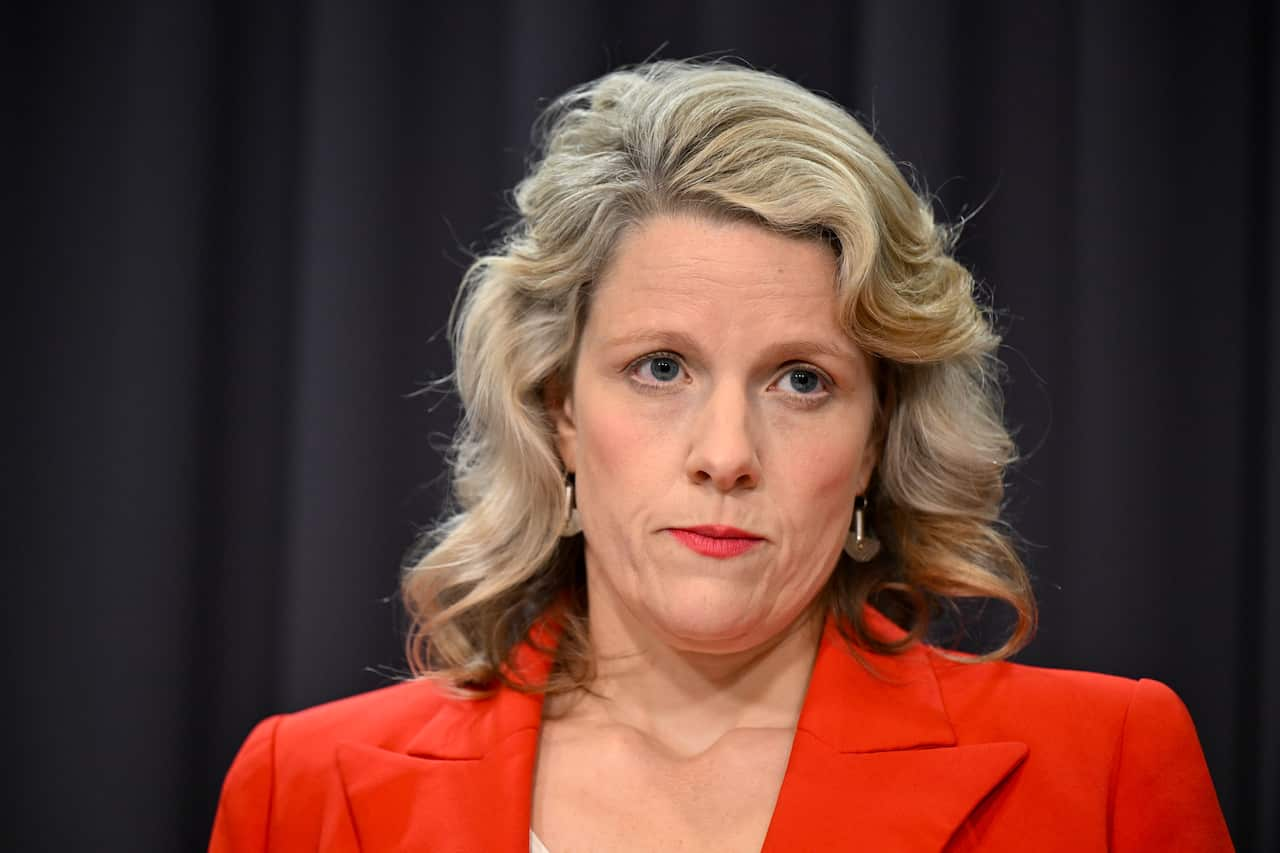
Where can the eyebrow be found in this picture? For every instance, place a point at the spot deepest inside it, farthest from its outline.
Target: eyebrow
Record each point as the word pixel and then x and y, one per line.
pixel 685 341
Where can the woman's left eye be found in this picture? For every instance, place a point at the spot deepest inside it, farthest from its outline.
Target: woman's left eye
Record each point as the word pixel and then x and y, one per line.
pixel 802 381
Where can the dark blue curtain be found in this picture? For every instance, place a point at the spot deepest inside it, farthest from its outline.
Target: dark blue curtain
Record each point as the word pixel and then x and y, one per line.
pixel 238 227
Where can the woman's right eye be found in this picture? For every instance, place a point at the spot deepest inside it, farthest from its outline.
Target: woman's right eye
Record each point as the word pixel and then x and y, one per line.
pixel 659 368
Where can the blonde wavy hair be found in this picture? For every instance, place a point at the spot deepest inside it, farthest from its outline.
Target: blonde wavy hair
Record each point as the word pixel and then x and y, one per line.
pixel 732 142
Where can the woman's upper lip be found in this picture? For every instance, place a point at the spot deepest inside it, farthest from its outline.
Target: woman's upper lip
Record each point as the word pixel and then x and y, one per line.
pixel 721 531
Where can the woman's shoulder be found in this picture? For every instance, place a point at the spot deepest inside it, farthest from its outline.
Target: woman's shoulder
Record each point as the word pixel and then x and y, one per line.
pixel 387 717
pixel 1019 700
pixel 966 672
pixel 1129 741
pixel 1030 681
pixel 380 717
pixel 288 768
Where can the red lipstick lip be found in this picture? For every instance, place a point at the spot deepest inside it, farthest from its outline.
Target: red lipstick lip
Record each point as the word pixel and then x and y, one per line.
pixel 719 547
pixel 721 531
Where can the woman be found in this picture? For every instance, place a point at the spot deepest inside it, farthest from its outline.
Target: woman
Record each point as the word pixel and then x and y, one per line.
pixel 732 434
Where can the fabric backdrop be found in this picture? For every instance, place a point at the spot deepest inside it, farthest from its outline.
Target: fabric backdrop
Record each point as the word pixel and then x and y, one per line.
pixel 238 228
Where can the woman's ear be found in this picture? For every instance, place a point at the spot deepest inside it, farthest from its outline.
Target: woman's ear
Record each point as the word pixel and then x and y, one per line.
pixel 557 398
pixel 867 465
pixel 886 404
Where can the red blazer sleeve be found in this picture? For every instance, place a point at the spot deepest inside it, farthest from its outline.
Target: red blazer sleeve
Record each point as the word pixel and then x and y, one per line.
pixel 244 809
pixel 1162 797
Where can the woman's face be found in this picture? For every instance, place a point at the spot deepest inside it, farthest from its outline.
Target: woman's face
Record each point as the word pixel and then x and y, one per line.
pixel 713 386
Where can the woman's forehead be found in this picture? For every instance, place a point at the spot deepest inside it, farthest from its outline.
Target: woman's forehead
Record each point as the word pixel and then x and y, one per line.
pixel 699 268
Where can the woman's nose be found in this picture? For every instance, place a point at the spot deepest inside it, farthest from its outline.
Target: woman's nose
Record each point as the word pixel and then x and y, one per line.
pixel 723 447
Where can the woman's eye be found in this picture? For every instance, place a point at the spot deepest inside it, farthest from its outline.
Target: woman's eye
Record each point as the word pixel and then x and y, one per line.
pixel 802 381
pixel 659 368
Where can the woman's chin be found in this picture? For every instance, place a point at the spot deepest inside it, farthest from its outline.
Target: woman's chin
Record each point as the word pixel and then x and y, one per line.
pixel 715 627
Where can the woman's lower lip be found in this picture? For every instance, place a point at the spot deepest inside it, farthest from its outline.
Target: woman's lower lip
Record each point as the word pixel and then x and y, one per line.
pixel 712 546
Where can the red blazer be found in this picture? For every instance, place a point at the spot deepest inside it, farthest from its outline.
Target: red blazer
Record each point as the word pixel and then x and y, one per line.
pixel 925 755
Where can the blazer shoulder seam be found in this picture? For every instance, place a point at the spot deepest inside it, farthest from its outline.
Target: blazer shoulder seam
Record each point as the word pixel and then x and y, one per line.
pixel 1118 758
pixel 273 758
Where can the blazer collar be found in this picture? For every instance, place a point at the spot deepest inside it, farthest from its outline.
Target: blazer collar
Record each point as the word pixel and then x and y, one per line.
pixel 465 780
pixel 875 761
pixel 860 701
pixel 470 729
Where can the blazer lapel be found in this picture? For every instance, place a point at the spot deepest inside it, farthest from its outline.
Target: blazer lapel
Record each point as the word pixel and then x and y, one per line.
pixel 875 763
pixel 465 781
pixel 404 802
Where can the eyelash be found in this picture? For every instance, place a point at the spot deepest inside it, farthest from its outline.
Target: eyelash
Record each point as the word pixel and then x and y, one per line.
pixel 827 383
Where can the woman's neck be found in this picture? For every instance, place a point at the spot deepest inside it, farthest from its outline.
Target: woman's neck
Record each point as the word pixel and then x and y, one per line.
pixel 685 702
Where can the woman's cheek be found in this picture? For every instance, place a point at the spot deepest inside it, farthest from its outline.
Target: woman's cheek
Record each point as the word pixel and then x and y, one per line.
pixel 621 442
pixel 817 474
pixel 820 455
pixel 630 436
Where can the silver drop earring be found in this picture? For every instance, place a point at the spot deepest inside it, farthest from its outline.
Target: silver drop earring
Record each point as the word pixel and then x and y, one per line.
pixel 572 524
pixel 861 544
